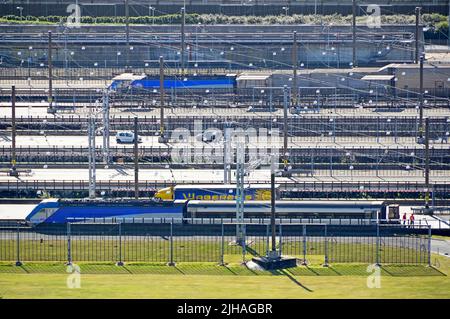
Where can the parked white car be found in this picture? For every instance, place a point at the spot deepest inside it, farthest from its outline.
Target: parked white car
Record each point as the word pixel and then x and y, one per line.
pixel 126 137
pixel 209 136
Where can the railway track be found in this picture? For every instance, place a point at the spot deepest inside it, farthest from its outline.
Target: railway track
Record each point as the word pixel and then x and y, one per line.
pixel 375 126
pixel 290 186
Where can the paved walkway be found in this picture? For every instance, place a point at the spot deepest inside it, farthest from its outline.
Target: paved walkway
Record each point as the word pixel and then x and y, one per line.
pixel 441 247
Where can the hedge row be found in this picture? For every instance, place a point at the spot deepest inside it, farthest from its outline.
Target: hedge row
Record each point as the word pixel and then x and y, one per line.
pixel 165 19
pixel 437 23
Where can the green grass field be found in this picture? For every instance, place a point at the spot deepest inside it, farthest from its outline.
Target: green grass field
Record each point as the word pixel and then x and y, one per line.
pixel 198 275
pixel 209 280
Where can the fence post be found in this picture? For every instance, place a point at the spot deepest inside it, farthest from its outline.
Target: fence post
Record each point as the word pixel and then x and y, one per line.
pixel 244 248
pixel 222 247
pixel 69 247
pixel 18 262
pixel 281 240
pixel 429 245
pixel 120 262
pixel 304 246
pixel 171 263
pixel 378 246
pixel 326 247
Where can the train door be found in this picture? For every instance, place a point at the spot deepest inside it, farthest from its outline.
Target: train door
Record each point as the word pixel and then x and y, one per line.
pixel 393 212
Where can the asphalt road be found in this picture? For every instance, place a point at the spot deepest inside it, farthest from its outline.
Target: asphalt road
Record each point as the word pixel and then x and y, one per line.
pixel 441 247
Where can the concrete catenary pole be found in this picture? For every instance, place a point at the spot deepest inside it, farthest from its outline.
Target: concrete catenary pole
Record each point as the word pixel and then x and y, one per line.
pixel 183 40
pixel 106 128
pixel 91 157
pixel 50 73
pixel 227 154
pixel 127 33
pixel 136 159
pixel 295 67
pixel 240 195
pixel 417 36
pixel 162 137
pixel 427 164
pixel 272 207
pixel 421 128
pixel 13 171
pixel 127 22
pixel 354 58
pixel 285 122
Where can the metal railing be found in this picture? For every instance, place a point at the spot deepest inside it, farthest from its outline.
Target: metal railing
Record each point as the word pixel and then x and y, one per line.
pixel 376 129
pixel 419 223
pixel 149 185
pixel 172 243
pixel 301 157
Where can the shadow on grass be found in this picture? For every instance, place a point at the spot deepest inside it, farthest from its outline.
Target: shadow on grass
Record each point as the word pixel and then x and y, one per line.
pixel 249 269
pixel 24 269
pixel 156 268
pixel 312 270
pixel 276 272
pixel 31 268
pixel 230 270
pixel 292 278
pixel 178 269
pixel 349 270
pixel 217 270
pixel 335 271
pixel 109 268
pixel 126 269
pixel 12 269
pixel 411 271
pixel 204 269
pixel 252 251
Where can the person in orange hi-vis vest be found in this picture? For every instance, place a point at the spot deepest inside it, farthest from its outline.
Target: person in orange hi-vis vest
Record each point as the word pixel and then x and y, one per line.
pixel 404 219
pixel 411 219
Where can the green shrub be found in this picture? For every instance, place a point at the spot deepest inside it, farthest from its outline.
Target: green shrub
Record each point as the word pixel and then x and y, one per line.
pixel 437 22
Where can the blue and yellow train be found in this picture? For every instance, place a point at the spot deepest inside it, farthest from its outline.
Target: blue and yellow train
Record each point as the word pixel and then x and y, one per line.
pixel 206 202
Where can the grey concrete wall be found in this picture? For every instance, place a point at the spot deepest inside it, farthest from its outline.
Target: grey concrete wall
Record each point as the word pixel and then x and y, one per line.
pixel 225 46
pixel 436 79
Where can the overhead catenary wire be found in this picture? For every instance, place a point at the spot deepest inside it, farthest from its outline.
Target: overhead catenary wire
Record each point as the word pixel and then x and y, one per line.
pixel 237 45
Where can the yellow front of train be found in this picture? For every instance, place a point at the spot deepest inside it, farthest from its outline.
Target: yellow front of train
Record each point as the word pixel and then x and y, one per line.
pixel 263 194
pixel 164 194
pixel 168 194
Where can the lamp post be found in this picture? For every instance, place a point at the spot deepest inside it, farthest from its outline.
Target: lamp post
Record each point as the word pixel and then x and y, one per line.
pixel 286 9
pixel 30 48
pixel 118 54
pixel 20 9
pixel 152 9
pixel 196 40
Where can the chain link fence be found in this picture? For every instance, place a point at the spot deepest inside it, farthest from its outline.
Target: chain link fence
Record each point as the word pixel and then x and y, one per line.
pixel 180 242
